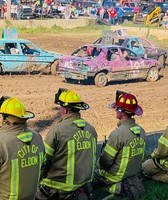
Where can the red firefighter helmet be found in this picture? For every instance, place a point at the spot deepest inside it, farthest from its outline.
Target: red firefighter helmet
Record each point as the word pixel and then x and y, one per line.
pixel 126 102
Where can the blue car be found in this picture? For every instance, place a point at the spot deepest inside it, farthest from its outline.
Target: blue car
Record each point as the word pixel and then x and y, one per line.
pixel 138 45
pixel 20 55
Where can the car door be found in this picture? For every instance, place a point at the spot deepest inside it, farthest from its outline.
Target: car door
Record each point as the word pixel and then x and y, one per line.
pixel 134 65
pixel 33 58
pixel 116 60
pixel 10 56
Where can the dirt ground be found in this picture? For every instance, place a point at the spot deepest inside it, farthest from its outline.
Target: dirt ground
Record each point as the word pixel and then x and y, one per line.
pixel 37 92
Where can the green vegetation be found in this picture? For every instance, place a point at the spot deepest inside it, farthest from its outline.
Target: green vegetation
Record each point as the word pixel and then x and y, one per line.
pixel 154 191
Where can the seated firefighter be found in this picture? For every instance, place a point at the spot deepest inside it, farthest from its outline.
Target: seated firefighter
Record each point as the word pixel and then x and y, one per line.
pixel 156 167
pixel 123 153
pixel 68 144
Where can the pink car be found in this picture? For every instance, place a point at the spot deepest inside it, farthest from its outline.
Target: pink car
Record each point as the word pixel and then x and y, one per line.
pixel 105 63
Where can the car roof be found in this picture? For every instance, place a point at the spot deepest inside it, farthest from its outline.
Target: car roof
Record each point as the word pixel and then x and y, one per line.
pixel 100 45
pixel 7 40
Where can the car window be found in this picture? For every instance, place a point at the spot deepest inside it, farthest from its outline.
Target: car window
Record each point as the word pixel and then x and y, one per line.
pixel 96 51
pixel 87 4
pixel 80 52
pixel 2 49
pixel 127 54
pixel 120 41
pixel 127 4
pixel 165 4
pixel 107 4
pixel 9 48
pixel 29 48
pixel 134 4
pixel 113 55
pixel 144 42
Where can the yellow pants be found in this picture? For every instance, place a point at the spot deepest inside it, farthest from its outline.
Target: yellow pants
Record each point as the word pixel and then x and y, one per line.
pixel 154 172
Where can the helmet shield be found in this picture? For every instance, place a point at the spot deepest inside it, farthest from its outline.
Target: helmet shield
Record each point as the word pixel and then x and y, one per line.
pixel 126 102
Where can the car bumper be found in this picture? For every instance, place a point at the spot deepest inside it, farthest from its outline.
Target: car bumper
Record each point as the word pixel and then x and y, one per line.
pixel 72 74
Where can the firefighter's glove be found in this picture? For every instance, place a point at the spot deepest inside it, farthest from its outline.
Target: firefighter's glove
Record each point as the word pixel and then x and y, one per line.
pixel 153 154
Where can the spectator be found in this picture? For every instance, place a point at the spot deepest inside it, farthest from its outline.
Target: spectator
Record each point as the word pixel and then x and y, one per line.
pixel 112 15
pixel 120 15
pixel 13 11
pixel 123 153
pixel 93 11
pixel 67 12
pixel 68 144
pixel 101 12
pixel 73 10
pixel 4 9
pixel 19 11
pixel 165 20
pixel 78 9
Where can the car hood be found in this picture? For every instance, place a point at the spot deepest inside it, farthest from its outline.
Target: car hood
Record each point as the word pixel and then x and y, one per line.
pixel 76 59
pixel 76 63
pixel 54 54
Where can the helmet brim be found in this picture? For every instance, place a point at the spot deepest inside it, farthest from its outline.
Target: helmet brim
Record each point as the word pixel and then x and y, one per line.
pixel 138 111
pixel 28 115
pixel 80 106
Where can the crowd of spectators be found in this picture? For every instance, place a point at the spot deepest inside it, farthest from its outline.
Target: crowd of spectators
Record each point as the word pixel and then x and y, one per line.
pixel 16 10
pixel 69 10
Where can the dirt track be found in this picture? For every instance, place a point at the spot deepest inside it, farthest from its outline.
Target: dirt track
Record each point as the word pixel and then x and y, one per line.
pixel 37 92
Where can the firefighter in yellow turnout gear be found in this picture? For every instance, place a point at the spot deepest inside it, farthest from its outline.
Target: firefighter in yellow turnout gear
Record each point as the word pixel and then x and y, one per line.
pixel 123 153
pixel 70 149
pixel 22 153
pixel 156 168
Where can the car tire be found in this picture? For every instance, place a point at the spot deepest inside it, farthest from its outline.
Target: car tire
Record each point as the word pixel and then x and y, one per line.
pixel 100 79
pixel 153 74
pixel 54 67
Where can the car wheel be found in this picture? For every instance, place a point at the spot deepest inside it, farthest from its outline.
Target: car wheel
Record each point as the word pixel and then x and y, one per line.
pixel 101 80
pixel 153 74
pixel 54 67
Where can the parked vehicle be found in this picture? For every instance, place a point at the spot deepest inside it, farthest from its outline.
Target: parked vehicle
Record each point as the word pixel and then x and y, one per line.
pixel 149 14
pixel 138 45
pixel 131 4
pixel 20 55
pixel 54 12
pixel 128 11
pixel 104 63
pixel 162 5
pixel 27 12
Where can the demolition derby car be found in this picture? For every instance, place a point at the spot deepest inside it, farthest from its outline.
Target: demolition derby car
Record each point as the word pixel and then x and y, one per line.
pixel 20 55
pixel 104 63
pixel 138 45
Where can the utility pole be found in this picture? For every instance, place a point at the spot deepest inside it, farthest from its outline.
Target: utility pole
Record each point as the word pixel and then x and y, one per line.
pixel 8 9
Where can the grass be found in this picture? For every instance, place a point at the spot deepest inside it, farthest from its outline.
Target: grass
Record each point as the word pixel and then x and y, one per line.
pixel 154 191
